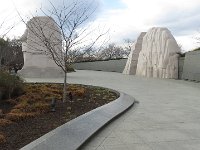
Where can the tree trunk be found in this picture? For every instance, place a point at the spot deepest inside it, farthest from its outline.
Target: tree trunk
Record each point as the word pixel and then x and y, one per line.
pixel 65 88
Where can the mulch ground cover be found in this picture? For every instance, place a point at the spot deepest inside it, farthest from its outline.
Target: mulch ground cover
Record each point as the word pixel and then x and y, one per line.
pixel 28 117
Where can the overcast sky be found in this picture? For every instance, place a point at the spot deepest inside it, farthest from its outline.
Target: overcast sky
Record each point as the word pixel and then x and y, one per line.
pixel 124 18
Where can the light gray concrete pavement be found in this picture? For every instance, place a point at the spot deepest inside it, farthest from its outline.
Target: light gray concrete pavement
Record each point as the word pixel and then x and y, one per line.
pixel 166 118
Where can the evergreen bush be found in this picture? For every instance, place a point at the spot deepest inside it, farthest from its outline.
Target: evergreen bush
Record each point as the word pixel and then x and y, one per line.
pixel 10 85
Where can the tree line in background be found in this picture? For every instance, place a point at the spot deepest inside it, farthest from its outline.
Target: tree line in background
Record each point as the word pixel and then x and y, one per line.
pixel 11 59
pixel 11 56
pixel 111 51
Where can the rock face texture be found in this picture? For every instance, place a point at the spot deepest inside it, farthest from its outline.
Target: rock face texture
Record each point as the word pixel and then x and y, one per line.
pixel 37 61
pixel 131 64
pixel 158 57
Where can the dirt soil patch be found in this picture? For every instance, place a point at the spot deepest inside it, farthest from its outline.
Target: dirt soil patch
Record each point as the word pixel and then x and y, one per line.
pixel 29 116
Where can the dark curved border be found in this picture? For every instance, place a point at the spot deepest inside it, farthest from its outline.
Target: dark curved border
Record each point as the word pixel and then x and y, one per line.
pixel 76 132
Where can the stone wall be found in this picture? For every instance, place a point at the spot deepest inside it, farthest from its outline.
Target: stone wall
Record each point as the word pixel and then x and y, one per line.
pixel 191 67
pixel 180 67
pixel 109 66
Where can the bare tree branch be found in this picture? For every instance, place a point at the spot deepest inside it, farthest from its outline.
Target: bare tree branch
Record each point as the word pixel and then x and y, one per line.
pixel 71 25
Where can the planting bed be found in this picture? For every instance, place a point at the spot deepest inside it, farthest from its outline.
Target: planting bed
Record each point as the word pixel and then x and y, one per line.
pixel 29 116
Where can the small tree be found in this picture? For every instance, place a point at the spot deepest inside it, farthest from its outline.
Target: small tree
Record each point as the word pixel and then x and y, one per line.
pixel 71 22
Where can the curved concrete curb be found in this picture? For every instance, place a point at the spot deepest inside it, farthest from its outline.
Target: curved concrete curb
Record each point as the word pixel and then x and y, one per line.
pixel 76 132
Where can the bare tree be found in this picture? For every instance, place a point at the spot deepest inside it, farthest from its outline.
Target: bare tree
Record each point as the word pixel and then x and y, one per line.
pixel 74 55
pixel 16 60
pixel 112 51
pixel 9 51
pixel 71 20
pixel 127 46
pixel 5 29
pixel 11 55
pixel 80 56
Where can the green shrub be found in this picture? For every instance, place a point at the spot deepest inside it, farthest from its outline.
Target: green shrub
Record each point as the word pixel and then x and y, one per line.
pixel 10 85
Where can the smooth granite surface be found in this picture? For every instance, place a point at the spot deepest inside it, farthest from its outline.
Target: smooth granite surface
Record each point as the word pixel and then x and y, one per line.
pixel 191 67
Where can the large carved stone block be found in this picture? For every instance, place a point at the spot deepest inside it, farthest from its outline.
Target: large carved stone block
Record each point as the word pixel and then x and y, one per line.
pixel 38 61
pixel 131 64
pixel 158 57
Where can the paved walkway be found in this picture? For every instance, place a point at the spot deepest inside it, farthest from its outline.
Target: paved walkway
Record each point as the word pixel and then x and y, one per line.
pixel 166 118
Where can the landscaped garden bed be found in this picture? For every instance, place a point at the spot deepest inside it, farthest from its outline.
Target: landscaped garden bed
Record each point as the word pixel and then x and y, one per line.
pixel 29 116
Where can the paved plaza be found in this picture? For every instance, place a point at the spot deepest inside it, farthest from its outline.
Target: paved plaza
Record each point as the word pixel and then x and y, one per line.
pixel 166 118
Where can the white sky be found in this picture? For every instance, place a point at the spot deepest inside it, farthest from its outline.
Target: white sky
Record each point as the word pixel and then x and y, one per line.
pixel 124 18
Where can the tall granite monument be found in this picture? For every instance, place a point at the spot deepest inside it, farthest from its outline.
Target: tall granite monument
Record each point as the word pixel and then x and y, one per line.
pixel 155 54
pixel 37 60
pixel 131 64
pixel 159 55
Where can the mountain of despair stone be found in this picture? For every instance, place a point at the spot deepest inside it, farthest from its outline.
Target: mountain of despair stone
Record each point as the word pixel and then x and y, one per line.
pixel 159 55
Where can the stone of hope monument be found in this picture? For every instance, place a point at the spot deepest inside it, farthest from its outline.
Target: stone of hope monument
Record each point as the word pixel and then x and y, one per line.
pixel 154 54
pixel 37 59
